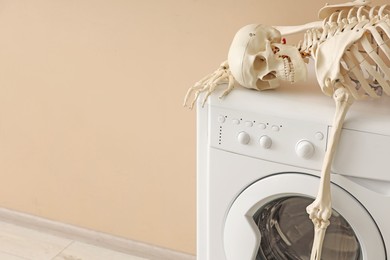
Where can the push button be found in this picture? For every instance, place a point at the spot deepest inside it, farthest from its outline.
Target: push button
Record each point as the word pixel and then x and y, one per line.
pixel 319 136
pixel 248 124
pixel 236 121
pixel 221 119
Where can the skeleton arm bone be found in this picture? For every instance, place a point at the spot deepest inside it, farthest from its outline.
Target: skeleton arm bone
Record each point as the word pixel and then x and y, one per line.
pixel 329 9
pixel 328 71
pixel 321 209
pixel 342 46
pixel 289 30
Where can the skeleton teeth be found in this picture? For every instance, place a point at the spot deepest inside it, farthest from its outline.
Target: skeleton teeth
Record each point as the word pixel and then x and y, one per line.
pixel 288 69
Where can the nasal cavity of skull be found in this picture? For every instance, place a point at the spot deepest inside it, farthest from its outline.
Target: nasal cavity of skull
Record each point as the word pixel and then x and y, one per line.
pixel 269 76
pixel 263 84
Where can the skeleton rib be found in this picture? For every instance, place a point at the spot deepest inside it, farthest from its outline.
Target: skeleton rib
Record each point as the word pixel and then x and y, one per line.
pixel 372 13
pixel 340 17
pixel 378 61
pixel 378 38
pixel 354 67
pixel 362 13
pixel 383 11
pixel 349 82
pixel 350 16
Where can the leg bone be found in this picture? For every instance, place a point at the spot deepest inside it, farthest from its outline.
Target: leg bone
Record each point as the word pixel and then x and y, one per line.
pixel 321 208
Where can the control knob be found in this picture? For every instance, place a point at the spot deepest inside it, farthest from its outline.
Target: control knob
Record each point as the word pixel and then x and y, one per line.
pixel 265 142
pixel 243 138
pixel 304 149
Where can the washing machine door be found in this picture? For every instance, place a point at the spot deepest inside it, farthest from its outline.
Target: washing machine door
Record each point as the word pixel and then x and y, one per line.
pixel 268 220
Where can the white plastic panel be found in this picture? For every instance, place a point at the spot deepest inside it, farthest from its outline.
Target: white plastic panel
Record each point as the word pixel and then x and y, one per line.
pixel 363 155
pixel 266 137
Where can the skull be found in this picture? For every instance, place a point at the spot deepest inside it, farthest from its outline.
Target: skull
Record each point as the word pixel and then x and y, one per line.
pixel 257 58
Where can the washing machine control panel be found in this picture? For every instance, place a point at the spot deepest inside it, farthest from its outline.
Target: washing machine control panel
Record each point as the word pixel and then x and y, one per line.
pixel 268 137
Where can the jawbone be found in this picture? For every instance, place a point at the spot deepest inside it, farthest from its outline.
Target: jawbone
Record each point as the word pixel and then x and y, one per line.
pixel 294 67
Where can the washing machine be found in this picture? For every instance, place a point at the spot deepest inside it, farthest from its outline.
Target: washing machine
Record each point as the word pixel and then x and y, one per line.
pixel 259 156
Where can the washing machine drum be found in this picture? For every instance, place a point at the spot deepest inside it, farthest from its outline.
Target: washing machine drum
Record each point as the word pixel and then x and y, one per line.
pixel 268 221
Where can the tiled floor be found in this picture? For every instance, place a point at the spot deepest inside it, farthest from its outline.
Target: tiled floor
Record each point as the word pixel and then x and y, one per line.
pixel 19 243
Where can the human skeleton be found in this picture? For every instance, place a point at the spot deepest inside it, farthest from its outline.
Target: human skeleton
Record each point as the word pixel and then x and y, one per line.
pixel 351 51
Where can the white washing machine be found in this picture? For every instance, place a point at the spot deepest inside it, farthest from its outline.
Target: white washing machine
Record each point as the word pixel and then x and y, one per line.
pixel 259 159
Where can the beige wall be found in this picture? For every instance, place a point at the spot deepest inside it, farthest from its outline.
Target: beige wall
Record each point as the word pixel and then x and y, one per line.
pixel 92 131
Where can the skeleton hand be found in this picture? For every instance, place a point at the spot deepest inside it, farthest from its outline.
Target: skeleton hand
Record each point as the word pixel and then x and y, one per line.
pixel 210 82
pixel 319 212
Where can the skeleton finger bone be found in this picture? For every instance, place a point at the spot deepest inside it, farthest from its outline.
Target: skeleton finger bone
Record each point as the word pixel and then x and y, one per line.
pixel 230 86
pixel 319 236
pixel 208 86
pixel 198 85
pixel 320 210
pixel 211 86
pixel 209 83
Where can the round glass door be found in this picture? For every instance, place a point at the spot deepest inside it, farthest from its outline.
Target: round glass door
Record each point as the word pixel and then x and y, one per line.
pixel 287 233
pixel 268 221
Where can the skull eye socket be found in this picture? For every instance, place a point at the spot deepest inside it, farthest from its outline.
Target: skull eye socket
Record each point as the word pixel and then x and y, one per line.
pixel 259 63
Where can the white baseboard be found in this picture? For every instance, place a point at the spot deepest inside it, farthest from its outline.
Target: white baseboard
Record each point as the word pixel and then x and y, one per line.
pixel 93 237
